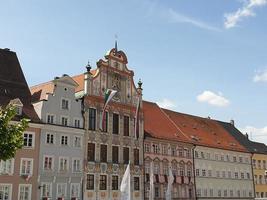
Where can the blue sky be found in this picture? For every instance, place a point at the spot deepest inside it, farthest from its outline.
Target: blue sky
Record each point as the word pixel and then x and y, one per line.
pixel 206 58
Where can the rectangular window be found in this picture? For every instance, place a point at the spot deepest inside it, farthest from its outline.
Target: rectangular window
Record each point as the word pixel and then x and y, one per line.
pixel 125 155
pixel 61 190
pixel 92 119
pixel 115 129
pixel 25 191
pixel 48 163
pixel 49 138
pixel 115 154
pixel 234 158
pixel 236 175
pixel 46 189
pixel 63 164
pixel 126 122
pixel 64 121
pixel 90 182
pixel 77 123
pixel 136 183
pixel 91 152
pixel 147 148
pixel 197 172
pixel 6 167
pixel 65 104
pixel 115 182
pixel 5 191
pixel 157 192
pixel 77 141
pixel 75 190
pixel 76 165
pixel 103 153
pixel 64 140
pixel 203 172
pixel 50 119
pixel 26 166
pixel 136 156
pixel 210 173
pixel 105 122
pixel 28 139
pixel 103 182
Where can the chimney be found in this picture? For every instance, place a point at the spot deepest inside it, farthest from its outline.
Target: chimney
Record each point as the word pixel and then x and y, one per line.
pixel 232 122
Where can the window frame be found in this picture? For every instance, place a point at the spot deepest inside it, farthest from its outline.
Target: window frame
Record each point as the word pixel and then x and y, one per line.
pixel 31 167
pixel 61 103
pixel 33 140
pixel 30 190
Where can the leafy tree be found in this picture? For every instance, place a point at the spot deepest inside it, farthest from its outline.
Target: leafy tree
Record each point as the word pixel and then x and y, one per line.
pixel 11 133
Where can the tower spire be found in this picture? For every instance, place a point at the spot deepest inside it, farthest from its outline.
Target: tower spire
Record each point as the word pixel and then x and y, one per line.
pixel 116 43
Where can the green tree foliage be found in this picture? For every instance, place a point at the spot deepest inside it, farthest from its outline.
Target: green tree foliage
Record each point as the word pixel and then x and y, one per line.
pixel 11 133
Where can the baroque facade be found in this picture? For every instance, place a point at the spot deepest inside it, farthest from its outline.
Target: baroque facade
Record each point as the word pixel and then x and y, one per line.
pixel 108 151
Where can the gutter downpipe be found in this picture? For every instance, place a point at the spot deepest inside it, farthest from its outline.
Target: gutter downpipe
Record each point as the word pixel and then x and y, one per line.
pixel 251 164
pixel 194 171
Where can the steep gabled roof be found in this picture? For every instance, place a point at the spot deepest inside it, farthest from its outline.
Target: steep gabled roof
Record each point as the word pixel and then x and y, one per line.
pixel 253 147
pixel 13 84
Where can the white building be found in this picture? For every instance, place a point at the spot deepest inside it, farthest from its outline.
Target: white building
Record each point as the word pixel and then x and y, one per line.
pixel 61 140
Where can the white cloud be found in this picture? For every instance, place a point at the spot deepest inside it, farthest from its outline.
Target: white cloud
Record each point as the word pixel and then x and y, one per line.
pixel 175 17
pixel 166 103
pixel 213 99
pixel 231 19
pixel 261 76
pixel 256 134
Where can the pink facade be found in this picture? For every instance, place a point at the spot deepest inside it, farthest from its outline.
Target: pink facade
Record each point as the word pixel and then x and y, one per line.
pixel 164 154
pixel 19 178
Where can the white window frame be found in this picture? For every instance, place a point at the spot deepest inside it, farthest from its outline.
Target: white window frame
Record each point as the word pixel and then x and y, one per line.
pixel 72 165
pixel 10 189
pixel 65 192
pixel 74 137
pixel 79 190
pixel 80 122
pixel 3 165
pixel 54 138
pixel 66 99
pixel 30 190
pixel 31 169
pixel 67 168
pixel 49 189
pixel 33 140
pixel 68 140
pixel 53 161
pixel 54 118
pixel 66 117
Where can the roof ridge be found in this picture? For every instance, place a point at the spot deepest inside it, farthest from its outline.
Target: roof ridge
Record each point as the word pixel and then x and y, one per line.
pixel 40 84
pixel 173 123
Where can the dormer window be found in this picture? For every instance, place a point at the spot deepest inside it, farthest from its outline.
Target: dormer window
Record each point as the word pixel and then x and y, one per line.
pixel 18 109
pixel 65 104
pixel 18 105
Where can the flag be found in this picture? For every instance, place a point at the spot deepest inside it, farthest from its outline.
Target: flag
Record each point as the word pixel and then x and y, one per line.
pixel 125 187
pixel 169 189
pixel 136 123
pixel 109 94
pixel 151 182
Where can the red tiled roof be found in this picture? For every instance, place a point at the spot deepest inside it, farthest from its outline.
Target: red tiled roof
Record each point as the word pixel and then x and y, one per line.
pixel 157 124
pixel 204 131
pixel 40 91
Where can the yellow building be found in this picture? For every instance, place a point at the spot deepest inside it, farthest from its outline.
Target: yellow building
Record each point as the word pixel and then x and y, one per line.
pixel 260 172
